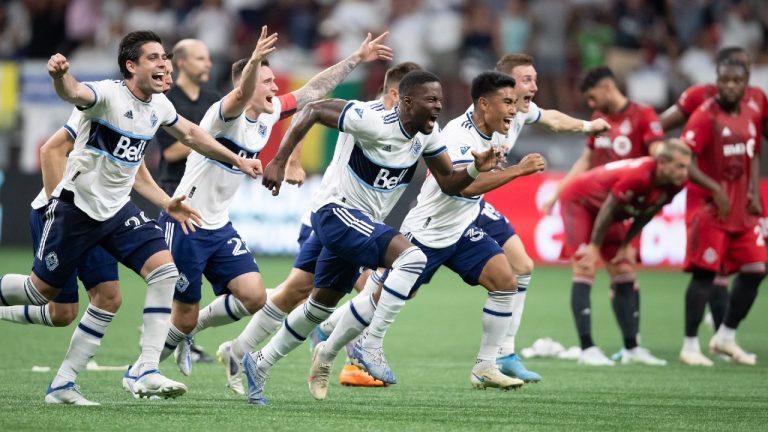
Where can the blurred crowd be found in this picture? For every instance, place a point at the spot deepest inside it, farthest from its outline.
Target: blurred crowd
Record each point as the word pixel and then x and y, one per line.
pixel 656 48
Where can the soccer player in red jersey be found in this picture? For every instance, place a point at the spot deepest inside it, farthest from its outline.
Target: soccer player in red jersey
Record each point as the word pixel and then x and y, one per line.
pixel 676 116
pixel 724 134
pixel 597 206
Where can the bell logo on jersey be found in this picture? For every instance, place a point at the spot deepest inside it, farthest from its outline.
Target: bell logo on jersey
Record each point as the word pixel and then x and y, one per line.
pixel 128 151
pixel 740 149
pixel 384 181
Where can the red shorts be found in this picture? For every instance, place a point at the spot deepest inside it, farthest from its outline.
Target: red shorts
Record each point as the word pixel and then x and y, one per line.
pixel 710 247
pixel 577 227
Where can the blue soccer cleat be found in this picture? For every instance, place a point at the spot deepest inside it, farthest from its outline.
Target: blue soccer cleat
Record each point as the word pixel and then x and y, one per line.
pixel 511 365
pixel 373 361
pixel 256 379
pixel 68 394
pixel 315 337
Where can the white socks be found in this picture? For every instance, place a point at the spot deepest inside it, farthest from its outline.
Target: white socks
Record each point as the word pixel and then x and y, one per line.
pixel 371 285
pixel 497 314
pixel 356 317
pixel 294 331
pixel 27 314
pixel 157 312
pixel 262 324
pixel 222 310
pixel 85 342
pixel 405 271
pixel 175 336
pixel 691 343
pixel 18 289
pixel 518 304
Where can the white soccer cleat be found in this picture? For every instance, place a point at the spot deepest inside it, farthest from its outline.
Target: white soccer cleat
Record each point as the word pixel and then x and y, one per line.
pixel 129 380
pixel 234 368
pixel 319 374
pixel 730 348
pixel 594 356
pixel 694 358
pixel 183 356
pixel 485 377
pixel 640 355
pixel 68 394
pixel 153 383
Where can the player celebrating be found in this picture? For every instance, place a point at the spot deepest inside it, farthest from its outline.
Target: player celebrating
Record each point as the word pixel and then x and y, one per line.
pixel 596 204
pixel 91 205
pixel 723 132
pixel 634 132
pixel 443 227
pixel 379 165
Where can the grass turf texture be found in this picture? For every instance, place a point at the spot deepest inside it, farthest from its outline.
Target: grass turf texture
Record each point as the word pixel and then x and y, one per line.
pixel 431 348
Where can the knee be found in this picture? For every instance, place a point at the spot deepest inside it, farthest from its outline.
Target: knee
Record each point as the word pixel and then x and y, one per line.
pixel 184 316
pixel 62 314
pixel 411 259
pixel 106 296
pixel 522 266
pixel 254 301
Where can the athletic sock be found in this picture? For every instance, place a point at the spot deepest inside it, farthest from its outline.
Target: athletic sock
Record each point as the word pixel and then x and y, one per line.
pixel 222 310
pixel 84 343
pixel 356 316
pixel 262 324
pixel 497 314
pixel 518 304
pixel 625 307
pixel 157 310
pixel 18 289
pixel 27 314
pixel 175 336
pixel 582 310
pixel 718 300
pixel 371 285
pixel 300 322
pixel 743 296
pixel 696 297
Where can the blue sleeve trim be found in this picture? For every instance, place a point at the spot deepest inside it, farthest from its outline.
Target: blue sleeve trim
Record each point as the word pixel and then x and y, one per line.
pixel 343 114
pixel 70 131
pixel 173 122
pixel 95 98
pixel 435 153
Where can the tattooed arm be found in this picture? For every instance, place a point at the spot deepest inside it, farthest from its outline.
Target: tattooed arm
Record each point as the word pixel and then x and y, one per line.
pixel 327 80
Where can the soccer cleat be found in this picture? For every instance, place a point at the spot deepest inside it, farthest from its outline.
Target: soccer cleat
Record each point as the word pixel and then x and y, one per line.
pixel 512 366
pixel 730 348
pixel 694 358
pixel 256 379
pixel 593 356
pixel 372 360
pixel 183 356
pixel 315 337
pixel 354 376
pixel 153 383
pixel 233 366
pixel 129 381
pixel 319 373
pixel 640 355
pixel 482 379
pixel 68 394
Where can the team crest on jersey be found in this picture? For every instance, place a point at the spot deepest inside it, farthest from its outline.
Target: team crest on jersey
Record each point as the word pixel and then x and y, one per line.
pixel 464 149
pixel 622 145
pixel 416 147
pixel 710 256
pixel 153 119
pixel 262 129
pixel 359 112
pixel 626 127
pixel 182 283
pixel 51 261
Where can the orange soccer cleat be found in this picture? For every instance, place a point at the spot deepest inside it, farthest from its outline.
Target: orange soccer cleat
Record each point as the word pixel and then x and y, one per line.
pixel 354 376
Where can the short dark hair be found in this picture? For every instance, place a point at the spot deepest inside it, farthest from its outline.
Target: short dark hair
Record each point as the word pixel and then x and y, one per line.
pixel 130 48
pixel 730 53
pixel 594 76
pixel 413 79
pixel 488 82
pixel 729 61
pixel 395 74
pixel 511 61
pixel 239 66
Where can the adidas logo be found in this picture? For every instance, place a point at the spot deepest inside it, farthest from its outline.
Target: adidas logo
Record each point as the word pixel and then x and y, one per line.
pixel 387 148
pixel 128 114
pixel 726 132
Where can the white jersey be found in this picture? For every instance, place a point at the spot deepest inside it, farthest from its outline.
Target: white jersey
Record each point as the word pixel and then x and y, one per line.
pixel 110 146
pixel 378 163
pixel 521 119
pixel 439 219
pixel 74 123
pixel 344 144
pixel 210 185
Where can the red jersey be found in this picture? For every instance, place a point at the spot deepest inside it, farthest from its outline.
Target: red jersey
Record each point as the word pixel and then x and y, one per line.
pixel 724 144
pixel 694 96
pixel 633 129
pixel 630 182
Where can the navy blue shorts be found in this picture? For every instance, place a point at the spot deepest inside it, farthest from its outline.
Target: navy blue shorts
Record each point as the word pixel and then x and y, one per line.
pixel 304 233
pixel 467 257
pixel 350 240
pixel 69 235
pixel 494 223
pixel 308 253
pixel 220 254
pixel 98 267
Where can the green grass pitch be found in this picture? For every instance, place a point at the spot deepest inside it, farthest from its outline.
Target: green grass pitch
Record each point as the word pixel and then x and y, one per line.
pixel 431 348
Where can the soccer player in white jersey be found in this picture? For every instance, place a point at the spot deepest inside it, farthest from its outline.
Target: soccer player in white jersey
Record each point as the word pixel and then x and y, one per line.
pixel 520 67
pixel 372 175
pixel 443 227
pixel 242 121
pixel 298 285
pixel 91 205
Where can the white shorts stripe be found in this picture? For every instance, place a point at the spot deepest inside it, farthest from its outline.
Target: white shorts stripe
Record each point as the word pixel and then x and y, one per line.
pixel 50 215
pixel 353 223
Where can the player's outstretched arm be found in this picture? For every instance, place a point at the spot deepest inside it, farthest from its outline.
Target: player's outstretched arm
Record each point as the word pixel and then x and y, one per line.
pixel 488 181
pixel 672 118
pixel 325 112
pixel 327 80
pixel 199 140
pixel 581 165
pixel 66 86
pixel 53 159
pixel 236 101
pixel 146 186
pixel 557 121
pixel 453 180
